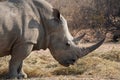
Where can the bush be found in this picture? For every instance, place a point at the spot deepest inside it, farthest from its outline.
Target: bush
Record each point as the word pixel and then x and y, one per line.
pixel 98 15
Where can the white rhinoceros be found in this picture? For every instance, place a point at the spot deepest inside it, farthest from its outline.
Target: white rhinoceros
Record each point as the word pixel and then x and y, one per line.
pixel 27 25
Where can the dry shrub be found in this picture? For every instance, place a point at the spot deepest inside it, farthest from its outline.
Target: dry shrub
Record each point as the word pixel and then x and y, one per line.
pixel 4 66
pixel 89 14
pixel 39 64
pixel 112 55
pixel 91 66
pixel 99 64
pixel 101 67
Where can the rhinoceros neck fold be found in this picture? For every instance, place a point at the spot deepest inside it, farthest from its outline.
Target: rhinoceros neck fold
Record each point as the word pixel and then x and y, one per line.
pixel 45 11
pixel 41 42
pixel 44 33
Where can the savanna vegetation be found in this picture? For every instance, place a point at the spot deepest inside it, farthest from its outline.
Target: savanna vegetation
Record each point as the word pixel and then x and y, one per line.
pixel 93 17
pixel 102 64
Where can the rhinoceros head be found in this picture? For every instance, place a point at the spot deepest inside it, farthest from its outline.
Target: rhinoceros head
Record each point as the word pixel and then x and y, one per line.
pixel 61 43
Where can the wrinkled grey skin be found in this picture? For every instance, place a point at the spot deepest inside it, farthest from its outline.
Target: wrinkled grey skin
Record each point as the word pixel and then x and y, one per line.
pixel 27 25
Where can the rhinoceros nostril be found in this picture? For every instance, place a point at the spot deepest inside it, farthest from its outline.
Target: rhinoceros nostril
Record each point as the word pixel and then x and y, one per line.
pixel 73 60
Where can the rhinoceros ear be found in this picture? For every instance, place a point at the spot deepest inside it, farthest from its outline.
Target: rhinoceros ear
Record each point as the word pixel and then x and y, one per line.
pixel 56 14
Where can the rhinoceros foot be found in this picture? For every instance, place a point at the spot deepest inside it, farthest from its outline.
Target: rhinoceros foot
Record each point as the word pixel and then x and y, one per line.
pixel 22 75
pixel 17 76
pixel 11 76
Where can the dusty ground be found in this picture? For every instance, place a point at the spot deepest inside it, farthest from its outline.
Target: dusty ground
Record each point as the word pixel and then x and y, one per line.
pixel 102 64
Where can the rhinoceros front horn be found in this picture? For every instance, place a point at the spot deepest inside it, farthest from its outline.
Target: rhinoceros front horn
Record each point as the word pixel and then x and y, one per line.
pixel 85 50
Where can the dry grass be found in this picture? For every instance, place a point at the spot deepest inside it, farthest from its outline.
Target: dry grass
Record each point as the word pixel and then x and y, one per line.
pixel 100 64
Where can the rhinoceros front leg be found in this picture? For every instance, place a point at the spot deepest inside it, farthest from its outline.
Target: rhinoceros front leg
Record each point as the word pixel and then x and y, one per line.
pixel 19 53
pixel 21 72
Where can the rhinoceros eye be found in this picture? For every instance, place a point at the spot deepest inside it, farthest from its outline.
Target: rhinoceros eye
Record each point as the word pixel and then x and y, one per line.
pixel 68 44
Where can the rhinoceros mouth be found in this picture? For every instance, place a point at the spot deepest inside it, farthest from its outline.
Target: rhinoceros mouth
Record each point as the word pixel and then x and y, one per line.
pixel 67 63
